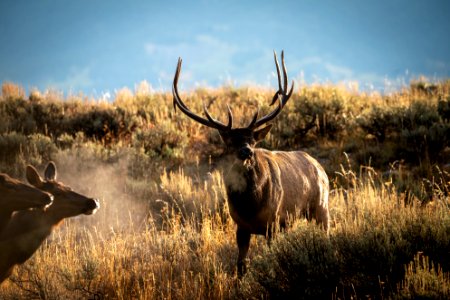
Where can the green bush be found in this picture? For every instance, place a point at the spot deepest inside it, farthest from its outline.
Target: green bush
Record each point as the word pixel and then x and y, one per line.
pixel 443 109
pixel 310 116
pixel 424 280
pixel 163 141
pixel 18 150
pixel 380 122
pixel 301 265
pixel 411 126
pixel 367 262
pixel 16 116
pixel 415 134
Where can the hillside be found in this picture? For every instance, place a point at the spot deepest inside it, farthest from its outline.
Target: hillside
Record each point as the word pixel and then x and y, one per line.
pixel 163 230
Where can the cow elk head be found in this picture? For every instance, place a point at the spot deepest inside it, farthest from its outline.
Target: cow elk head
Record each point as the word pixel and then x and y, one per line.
pixel 67 203
pixel 20 196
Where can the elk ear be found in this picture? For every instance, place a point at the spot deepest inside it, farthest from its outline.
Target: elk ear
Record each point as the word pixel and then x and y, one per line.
pixel 260 134
pixel 50 171
pixel 33 176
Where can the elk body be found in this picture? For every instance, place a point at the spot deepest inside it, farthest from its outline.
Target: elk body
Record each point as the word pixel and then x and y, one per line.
pixel 15 195
pixel 26 230
pixel 264 187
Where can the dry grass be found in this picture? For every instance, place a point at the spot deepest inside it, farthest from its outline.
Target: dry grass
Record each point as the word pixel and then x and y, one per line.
pixel 191 253
pixel 186 255
pixel 163 230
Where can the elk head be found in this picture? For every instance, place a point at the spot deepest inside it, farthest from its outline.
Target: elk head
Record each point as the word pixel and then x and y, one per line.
pixel 19 196
pixel 67 203
pixel 240 141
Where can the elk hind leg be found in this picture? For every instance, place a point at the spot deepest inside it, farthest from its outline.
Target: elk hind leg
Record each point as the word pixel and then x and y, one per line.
pixel 321 215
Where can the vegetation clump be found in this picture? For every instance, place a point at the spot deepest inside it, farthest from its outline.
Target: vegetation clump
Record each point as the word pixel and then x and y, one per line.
pixel 164 232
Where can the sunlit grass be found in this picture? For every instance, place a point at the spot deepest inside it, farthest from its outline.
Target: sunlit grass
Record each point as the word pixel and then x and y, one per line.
pixel 191 254
pixel 163 230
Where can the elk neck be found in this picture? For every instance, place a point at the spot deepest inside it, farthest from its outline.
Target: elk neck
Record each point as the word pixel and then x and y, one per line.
pixel 5 216
pixel 41 223
pixel 246 176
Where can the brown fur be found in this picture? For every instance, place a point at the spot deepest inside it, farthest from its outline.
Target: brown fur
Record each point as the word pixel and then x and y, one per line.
pixel 16 195
pixel 28 229
pixel 276 186
pixel 268 188
pixel 264 187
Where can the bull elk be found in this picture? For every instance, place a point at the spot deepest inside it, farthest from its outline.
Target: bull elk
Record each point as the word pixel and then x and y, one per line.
pixel 15 195
pixel 26 230
pixel 264 187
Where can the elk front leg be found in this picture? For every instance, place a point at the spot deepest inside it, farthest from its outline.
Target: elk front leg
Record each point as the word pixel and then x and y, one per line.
pixel 243 242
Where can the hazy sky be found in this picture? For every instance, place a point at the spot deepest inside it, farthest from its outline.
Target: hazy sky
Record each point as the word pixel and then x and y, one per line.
pixel 97 46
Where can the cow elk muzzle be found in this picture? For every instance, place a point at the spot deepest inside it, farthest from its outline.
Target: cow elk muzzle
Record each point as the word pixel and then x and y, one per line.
pixel 92 205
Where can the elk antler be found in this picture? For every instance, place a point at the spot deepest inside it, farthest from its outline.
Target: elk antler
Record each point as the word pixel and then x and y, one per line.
pixel 281 95
pixel 209 121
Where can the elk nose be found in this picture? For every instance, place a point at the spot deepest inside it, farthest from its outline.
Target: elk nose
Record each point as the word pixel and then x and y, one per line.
pixel 47 199
pixel 94 204
pixel 245 153
pixel 91 207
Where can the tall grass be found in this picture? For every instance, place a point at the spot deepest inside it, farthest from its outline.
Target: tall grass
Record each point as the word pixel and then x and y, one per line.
pixel 163 230
pixel 372 249
pixel 373 242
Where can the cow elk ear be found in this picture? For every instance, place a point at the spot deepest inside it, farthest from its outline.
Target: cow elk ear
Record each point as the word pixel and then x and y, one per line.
pixel 260 134
pixel 33 176
pixel 50 171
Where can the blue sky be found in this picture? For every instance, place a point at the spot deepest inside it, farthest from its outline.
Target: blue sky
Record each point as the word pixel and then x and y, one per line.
pixel 101 46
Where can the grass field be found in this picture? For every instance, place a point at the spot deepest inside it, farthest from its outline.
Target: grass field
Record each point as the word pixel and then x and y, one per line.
pixel 163 230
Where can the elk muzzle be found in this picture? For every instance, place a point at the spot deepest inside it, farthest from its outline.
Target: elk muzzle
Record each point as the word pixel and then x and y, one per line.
pixel 91 206
pixel 245 153
pixel 47 200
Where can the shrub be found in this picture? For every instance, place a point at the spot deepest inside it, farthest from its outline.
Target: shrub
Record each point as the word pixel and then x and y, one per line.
pixel 16 116
pixel 18 150
pixel 12 91
pixel 317 113
pixel 301 265
pixel 424 134
pixel 380 122
pixel 162 141
pixel 190 199
pixel 443 109
pixel 364 256
pixel 424 280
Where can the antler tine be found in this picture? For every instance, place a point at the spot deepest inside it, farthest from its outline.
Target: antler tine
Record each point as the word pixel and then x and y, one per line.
pixel 269 116
pixel 255 117
pixel 285 76
pixel 282 95
pixel 175 84
pixel 210 122
pixel 277 93
pixel 281 89
pixel 177 99
pixel 230 118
